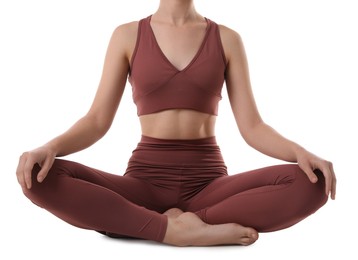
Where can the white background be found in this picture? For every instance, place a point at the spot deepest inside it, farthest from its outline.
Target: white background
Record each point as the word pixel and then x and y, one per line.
pixel 303 60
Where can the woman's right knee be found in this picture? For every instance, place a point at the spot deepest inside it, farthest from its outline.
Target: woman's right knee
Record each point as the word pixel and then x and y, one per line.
pixel 38 190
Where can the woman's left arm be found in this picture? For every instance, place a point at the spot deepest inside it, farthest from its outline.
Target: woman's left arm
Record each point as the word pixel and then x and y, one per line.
pixel 253 129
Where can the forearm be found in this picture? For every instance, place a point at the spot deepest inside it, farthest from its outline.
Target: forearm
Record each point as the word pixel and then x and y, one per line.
pixel 268 141
pixel 81 135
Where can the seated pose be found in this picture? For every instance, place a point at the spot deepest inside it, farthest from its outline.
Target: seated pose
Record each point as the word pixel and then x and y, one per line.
pixel 176 189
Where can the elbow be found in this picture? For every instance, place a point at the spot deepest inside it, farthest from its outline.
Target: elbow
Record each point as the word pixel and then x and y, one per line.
pixel 101 131
pixel 247 136
pixel 250 132
pixel 102 128
pixel 99 126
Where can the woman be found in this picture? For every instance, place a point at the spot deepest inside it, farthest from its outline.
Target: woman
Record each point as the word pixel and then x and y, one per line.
pixel 176 189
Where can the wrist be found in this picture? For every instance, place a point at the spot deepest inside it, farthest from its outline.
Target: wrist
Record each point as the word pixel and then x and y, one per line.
pixel 52 148
pixel 297 151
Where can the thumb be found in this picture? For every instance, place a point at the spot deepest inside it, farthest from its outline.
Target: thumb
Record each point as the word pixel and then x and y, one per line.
pixel 309 172
pixel 45 167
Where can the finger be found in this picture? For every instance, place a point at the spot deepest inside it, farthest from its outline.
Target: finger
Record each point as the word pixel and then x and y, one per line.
pixel 28 172
pixel 44 169
pixel 328 179
pixel 20 172
pixel 334 183
pixel 333 190
pixel 310 174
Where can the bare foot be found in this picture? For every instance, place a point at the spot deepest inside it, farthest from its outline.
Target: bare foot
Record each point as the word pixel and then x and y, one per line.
pixel 187 229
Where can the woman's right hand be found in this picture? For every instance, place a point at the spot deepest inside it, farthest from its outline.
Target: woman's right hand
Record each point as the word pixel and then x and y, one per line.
pixel 44 156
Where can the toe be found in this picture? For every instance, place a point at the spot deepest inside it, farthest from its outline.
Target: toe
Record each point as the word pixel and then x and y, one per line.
pixel 250 236
pixel 173 212
pixel 252 233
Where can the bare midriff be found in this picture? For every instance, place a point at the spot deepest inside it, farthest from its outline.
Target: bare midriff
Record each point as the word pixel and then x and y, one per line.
pixel 178 124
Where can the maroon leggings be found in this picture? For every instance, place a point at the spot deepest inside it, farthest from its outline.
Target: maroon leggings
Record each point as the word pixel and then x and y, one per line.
pixel 186 174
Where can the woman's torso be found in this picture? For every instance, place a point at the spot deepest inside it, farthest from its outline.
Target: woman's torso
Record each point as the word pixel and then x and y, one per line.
pixel 177 123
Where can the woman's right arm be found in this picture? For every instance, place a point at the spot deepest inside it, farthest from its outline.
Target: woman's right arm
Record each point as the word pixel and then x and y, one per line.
pixel 92 126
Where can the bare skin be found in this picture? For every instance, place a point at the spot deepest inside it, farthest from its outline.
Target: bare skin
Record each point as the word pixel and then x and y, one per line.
pixel 187 229
pixel 173 18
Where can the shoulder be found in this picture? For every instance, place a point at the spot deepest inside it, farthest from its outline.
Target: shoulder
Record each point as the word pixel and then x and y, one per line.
pixel 126 30
pixel 231 40
pixel 228 33
pixel 124 37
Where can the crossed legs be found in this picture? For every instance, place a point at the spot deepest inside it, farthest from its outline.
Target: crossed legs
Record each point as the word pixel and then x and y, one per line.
pixel 230 210
pixel 267 199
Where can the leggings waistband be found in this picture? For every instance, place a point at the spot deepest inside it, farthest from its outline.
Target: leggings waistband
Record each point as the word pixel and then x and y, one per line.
pixel 201 141
pixel 177 153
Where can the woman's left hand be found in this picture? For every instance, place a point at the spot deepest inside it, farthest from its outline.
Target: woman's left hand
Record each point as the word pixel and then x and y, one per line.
pixel 309 162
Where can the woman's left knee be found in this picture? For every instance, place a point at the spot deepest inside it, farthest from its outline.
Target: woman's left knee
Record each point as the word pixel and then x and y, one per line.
pixel 314 192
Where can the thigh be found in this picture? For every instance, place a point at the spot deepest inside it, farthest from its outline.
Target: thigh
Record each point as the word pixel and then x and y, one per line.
pixel 266 199
pixel 133 189
pixel 92 199
pixel 259 180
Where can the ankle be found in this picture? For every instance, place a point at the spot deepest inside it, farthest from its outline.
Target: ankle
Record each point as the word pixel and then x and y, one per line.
pixel 174 234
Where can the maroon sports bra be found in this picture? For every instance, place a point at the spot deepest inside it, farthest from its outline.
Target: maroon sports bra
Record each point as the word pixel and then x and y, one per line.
pixel 157 85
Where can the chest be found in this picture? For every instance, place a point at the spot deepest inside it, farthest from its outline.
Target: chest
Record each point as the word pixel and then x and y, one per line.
pixel 179 45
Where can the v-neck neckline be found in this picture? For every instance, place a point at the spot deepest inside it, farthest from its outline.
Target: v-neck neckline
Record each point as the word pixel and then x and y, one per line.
pixel 194 57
